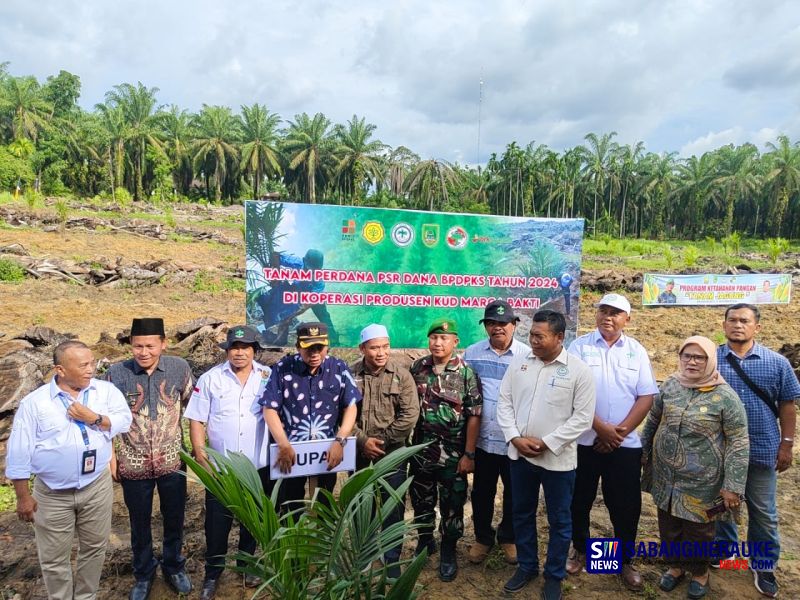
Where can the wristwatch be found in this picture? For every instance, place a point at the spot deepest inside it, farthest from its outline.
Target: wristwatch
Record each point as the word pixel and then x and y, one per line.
pixel 341 440
pixel 788 440
pixel 98 421
pixel 469 455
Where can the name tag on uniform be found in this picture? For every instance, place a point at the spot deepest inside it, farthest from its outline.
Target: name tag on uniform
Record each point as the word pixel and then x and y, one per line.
pixel 89 462
pixel 312 459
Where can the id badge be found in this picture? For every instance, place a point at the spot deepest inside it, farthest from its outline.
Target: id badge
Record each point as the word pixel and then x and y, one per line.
pixel 88 462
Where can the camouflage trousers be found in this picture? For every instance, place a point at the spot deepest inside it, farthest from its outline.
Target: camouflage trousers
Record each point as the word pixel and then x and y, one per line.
pixel 438 481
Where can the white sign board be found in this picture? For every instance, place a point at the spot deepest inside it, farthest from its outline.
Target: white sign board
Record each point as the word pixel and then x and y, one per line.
pixel 312 459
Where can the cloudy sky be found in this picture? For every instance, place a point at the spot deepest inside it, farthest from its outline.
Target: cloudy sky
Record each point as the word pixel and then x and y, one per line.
pixel 679 75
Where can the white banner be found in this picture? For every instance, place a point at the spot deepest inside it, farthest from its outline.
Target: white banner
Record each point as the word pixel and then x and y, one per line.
pixel 312 459
pixel 716 289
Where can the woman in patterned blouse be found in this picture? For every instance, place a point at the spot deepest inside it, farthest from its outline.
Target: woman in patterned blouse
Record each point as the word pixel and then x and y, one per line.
pixel 696 440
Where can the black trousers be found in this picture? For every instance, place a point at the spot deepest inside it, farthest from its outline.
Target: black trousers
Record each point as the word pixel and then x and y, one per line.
pixel 620 472
pixel 394 479
pixel 218 526
pixel 488 467
pixel 138 495
pixel 293 490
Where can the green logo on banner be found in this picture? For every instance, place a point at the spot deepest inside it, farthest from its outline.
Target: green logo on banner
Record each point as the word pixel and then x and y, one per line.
pixel 430 234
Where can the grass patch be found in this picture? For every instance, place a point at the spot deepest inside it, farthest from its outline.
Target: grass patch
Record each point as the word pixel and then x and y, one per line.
pixel 207 282
pixel 8 498
pixel 11 270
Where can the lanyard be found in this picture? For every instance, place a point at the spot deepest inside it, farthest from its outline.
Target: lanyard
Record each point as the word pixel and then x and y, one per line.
pixel 80 424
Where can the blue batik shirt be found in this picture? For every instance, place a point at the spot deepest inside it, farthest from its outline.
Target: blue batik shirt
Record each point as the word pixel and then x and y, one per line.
pixel 309 404
pixel 772 373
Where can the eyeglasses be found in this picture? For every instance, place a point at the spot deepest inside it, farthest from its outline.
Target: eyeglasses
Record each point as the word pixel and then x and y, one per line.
pixel 698 358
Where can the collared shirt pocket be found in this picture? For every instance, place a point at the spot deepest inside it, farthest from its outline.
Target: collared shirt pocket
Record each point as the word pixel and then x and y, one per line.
pixel 627 372
pixel 559 395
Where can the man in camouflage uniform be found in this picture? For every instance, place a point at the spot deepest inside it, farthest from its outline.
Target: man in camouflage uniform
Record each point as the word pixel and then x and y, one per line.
pixel 450 408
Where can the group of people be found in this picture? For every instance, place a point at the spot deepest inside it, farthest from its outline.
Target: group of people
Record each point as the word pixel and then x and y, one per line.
pixel 543 416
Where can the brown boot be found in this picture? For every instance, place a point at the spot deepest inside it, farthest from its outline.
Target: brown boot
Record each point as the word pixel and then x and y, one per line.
pixel 575 561
pixel 631 578
pixel 478 553
pixel 510 552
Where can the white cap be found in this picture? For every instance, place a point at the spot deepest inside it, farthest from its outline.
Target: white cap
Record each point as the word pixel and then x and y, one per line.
pixel 617 301
pixel 370 332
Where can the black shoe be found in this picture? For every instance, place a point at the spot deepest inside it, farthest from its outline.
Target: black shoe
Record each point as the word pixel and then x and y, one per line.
pixel 252 581
pixel 430 546
pixel 518 581
pixel 551 590
pixel 698 590
pixel 393 571
pixel 179 582
pixel 209 589
pixel 448 565
pixel 141 589
pixel 669 582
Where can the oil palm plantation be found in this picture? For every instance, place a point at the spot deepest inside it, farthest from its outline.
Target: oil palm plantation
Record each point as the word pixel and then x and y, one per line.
pixel 429 181
pixel 596 155
pixel 260 153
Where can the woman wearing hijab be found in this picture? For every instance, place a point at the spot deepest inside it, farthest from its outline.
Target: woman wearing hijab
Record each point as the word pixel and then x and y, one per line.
pixel 696 439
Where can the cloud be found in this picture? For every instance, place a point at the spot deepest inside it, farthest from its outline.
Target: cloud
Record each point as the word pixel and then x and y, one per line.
pixel 675 74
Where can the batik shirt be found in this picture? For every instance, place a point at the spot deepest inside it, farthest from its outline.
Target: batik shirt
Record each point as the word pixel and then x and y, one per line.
pixel 152 446
pixel 699 444
pixel 447 400
pixel 310 404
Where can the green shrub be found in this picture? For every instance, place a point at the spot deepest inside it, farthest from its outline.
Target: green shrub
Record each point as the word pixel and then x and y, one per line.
pixel 332 550
pixel 169 216
pixel 62 212
pixel 11 270
pixel 775 247
pixel 690 255
pixel 123 197
pixel 669 257
pixel 32 198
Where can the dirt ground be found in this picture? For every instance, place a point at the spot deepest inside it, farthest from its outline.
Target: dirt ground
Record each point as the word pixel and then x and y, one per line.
pixel 88 311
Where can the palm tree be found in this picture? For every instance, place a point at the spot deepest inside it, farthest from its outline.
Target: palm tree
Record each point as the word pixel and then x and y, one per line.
pixel 596 156
pixel 783 177
pixel 217 132
pixel 112 122
pixel 430 178
pixel 696 176
pixel 28 111
pixel 738 178
pixel 176 132
pixel 399 163
pixel 308 145
pixel 656 184
pixel 260 154
pixel 629 159
pixel 138 104
pixel 357 156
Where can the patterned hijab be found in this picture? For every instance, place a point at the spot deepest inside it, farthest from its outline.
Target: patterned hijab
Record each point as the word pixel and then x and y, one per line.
pixel 710 376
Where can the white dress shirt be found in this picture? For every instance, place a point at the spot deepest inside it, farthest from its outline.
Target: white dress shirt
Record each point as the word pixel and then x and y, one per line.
pixel 230 410
pixel 622 373
pixel 553 402
pixel 45 442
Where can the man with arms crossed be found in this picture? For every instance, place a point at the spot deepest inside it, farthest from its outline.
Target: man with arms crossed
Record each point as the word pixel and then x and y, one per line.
pixel 62 434
pixel 546 402
pixel 490 358
pixel 611 450
pixel 771 424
